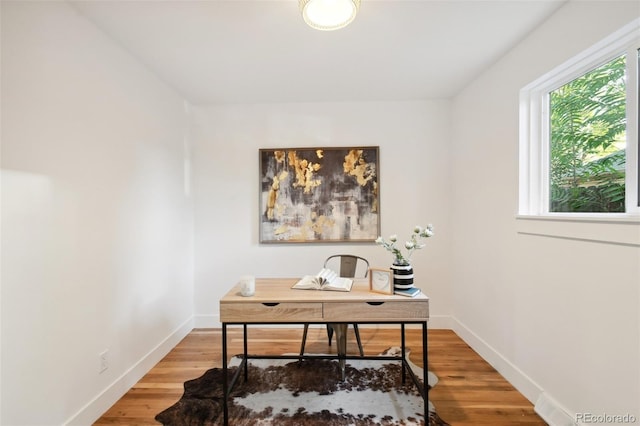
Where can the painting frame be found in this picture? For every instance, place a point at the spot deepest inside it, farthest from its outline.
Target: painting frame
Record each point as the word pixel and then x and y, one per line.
pixel 319 194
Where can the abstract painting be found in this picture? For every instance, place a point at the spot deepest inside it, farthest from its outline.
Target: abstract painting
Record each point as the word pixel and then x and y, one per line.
pixel 319 195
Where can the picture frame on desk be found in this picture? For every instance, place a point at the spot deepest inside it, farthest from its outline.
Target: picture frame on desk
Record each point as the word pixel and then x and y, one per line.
pixel 380 280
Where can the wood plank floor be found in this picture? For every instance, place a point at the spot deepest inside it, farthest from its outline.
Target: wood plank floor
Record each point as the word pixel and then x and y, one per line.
pixel 469 391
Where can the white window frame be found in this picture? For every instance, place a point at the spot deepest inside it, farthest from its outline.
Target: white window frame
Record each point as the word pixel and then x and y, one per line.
pixel 534 123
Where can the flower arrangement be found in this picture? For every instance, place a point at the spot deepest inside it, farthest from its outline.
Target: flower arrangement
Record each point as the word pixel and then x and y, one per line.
pixel 411 245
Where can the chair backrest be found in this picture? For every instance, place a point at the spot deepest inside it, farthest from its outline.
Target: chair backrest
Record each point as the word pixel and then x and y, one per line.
pixel 350 265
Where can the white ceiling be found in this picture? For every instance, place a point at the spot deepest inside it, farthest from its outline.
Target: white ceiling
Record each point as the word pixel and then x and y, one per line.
pixel 246 51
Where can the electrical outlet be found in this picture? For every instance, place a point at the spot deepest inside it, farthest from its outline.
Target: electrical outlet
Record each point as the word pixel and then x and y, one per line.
pixel 104 361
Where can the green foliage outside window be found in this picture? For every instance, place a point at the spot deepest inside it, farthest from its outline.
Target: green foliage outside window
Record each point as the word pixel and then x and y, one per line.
pixel 588 140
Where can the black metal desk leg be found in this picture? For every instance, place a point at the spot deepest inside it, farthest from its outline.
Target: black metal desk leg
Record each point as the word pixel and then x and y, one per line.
pixel 404 354
pixel 246 363
pixel 425 372
pixel 225 378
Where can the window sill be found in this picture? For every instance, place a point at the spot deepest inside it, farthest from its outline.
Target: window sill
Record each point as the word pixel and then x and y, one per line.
pixel 623 229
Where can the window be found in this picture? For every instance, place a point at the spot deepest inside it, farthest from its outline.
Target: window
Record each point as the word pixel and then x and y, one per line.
pixel 587 141
pixel 579 134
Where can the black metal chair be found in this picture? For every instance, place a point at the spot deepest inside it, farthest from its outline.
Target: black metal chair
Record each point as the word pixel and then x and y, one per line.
pixel 349 266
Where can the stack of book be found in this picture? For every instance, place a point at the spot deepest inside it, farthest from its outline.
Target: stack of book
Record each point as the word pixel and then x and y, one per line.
pixel 409 292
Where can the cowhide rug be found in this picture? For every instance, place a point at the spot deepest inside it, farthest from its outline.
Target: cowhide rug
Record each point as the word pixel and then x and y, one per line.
pixel 308 392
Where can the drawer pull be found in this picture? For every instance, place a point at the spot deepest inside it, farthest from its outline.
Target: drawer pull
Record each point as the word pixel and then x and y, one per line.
pixel 271 304
pixel 375 303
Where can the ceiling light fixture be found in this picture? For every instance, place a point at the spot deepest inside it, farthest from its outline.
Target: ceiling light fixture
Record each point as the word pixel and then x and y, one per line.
pixel 328 15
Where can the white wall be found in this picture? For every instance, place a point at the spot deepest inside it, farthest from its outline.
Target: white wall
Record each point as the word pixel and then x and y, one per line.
pixel 96 217
pixel 554 315
pixel 414 189
pixel 97 229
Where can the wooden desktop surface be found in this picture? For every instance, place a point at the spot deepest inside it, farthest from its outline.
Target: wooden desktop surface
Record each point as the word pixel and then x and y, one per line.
pixel 276 302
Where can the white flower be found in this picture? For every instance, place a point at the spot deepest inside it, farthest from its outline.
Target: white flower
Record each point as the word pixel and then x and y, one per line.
pixel 429 231
pixel 410 246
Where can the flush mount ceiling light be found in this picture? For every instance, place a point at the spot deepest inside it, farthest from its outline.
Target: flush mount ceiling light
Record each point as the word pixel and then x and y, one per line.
pixel 329 15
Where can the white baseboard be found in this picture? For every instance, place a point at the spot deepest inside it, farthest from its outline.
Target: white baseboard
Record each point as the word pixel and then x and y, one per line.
pixel 524 384
pixel 440 322
pixel 105 400
pixel 545 406
pixel 206 321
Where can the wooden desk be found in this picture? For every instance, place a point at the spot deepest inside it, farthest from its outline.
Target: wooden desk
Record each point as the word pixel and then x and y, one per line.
pixel 275 302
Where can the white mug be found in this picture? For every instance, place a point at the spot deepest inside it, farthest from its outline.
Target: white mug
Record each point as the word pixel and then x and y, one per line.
pixel 247 285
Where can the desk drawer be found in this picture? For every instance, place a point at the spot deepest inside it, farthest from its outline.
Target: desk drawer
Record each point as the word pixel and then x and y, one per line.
pixel 273 312
pixel 364 311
